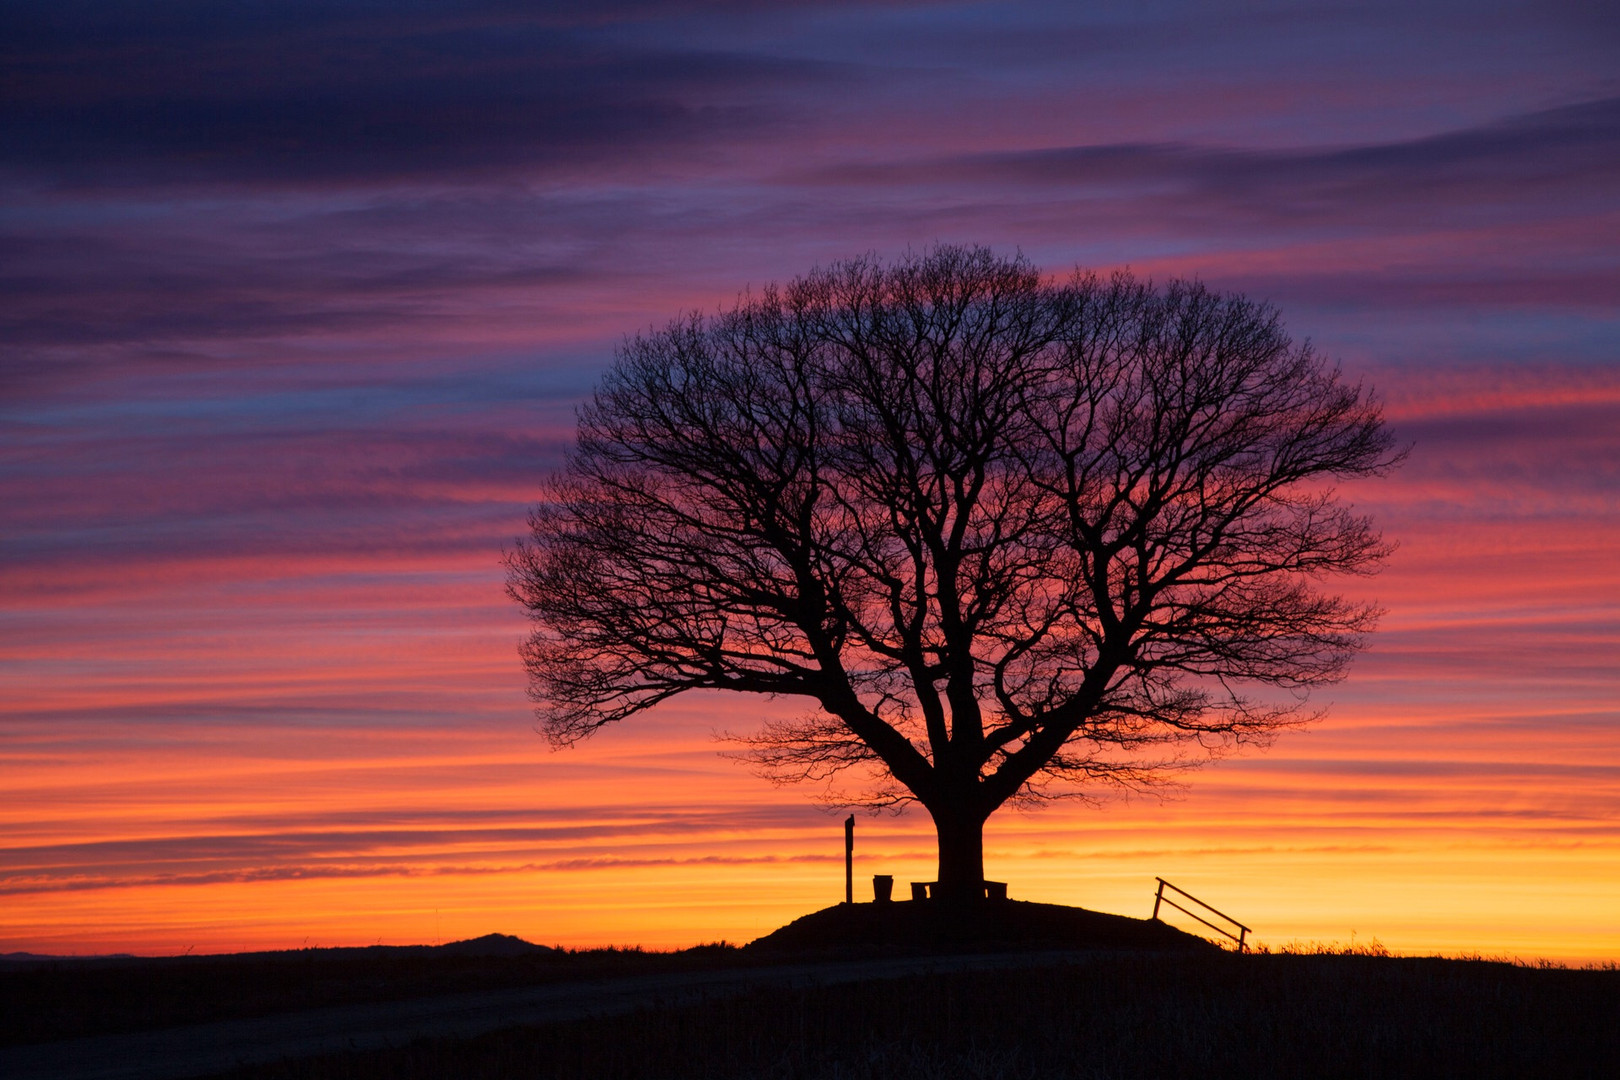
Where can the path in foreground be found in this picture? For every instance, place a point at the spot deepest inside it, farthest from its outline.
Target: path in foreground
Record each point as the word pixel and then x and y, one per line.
pixel 201 1049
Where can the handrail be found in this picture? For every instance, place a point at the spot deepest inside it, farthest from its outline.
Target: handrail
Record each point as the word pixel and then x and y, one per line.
pixel 1241 937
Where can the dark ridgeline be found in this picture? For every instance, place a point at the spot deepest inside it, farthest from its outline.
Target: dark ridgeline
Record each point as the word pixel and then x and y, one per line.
pixel 45 998
pixel 1010 538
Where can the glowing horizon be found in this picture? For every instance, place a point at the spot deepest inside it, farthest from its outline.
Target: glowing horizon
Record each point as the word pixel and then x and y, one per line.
pixel 275 397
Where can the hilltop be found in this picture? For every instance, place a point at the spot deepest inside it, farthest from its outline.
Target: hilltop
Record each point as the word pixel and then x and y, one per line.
pixel 910 926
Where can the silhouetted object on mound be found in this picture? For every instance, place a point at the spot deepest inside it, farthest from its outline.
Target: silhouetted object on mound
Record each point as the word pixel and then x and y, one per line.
pixel 906 926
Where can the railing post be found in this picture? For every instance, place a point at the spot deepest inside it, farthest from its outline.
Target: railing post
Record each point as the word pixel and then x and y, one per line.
pixel 1241 937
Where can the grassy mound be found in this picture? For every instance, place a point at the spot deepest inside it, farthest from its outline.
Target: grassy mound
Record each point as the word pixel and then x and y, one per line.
pixel 930 926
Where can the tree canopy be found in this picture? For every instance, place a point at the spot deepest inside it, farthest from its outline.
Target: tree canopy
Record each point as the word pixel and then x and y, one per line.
pixel 1006 536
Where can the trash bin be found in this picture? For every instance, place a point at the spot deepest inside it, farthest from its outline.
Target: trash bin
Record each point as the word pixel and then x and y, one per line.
pixel 882 888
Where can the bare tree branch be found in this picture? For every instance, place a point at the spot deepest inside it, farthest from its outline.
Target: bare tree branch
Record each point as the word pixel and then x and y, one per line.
pixel 1012 539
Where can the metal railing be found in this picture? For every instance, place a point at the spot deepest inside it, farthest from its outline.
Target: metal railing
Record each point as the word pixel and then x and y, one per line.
pixel 1241 937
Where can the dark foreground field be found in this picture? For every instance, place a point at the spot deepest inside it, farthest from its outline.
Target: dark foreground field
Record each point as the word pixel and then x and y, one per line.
pixel 804 1006
pixel 42 1001
pixel 1108 1016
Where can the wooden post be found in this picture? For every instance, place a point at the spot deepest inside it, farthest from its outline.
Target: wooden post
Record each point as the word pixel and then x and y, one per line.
pixel 1157 897
pixel 849 859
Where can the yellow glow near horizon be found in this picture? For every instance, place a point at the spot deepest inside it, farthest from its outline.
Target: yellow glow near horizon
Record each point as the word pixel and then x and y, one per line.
pixel 361 768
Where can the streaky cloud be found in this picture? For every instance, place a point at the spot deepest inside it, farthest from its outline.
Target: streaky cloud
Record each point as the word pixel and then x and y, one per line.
pixel 312 94
pixel 1571 152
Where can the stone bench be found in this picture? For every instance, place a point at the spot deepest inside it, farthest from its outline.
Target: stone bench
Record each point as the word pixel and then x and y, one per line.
pixel 927 890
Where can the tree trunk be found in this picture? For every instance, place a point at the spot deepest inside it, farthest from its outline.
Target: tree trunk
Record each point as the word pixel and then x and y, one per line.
pixel 961 857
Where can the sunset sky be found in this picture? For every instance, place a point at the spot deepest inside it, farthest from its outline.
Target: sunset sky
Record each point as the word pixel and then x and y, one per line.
pixel 299 298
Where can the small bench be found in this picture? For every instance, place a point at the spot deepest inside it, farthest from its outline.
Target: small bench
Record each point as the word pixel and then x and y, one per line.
pixel 926 890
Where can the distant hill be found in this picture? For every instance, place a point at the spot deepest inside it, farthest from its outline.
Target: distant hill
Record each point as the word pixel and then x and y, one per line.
pixel 491 945
pixel 488 945
pixel 25 958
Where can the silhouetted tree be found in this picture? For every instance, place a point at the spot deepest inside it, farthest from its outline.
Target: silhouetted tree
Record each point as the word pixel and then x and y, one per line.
pixel 1010 538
